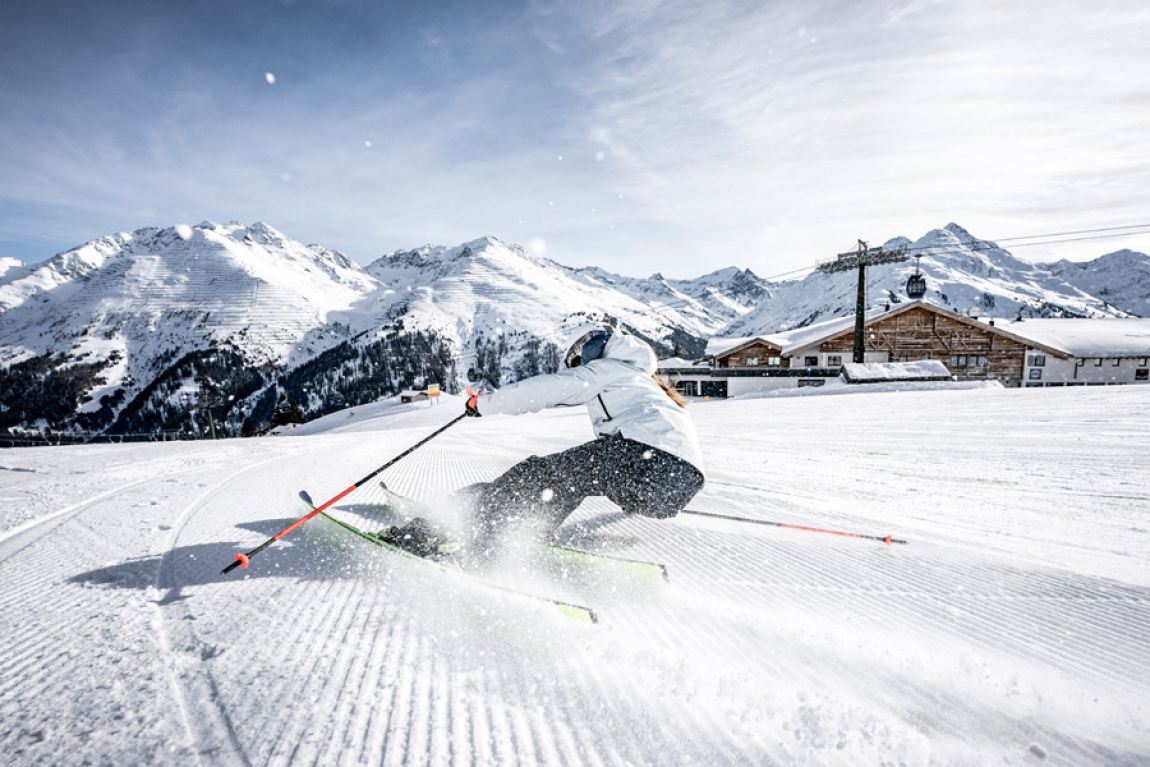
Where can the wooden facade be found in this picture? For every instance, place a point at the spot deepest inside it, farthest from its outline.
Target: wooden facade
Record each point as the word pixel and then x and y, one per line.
pixel 971 351
pixel 757 354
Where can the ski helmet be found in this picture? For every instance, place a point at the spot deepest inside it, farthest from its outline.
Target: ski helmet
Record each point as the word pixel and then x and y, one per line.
pixel 588 345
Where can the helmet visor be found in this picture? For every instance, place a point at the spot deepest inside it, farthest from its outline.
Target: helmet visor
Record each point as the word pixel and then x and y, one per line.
pixel 589 347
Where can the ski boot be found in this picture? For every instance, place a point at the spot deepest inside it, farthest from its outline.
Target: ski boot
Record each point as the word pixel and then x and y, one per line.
pixel 420 538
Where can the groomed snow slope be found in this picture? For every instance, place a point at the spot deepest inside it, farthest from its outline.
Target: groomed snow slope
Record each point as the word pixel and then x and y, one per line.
pixel 1013 629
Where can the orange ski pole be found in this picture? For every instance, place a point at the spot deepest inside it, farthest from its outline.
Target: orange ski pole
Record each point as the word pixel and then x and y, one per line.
pixel 881 538
pixel 243 559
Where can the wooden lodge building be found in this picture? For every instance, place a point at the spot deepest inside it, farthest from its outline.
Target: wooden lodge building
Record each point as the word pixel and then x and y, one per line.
pixel 1063 352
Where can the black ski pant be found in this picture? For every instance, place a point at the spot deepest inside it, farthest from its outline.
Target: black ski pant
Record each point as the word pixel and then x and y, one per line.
pixel 547 489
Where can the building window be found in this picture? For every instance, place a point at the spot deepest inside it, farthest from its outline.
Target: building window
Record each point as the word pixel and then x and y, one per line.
pixel 1038 360
pixel 834 360
pixel 1098 362
pixel 774 361
pixel 1142 374
pixel 1080 362
pixel 1035 374
pixel 1116 362
pixel 811 362
pixel 904 358
pixel 688 388
pixel 752 361
pixel 1142 362
pixel 958 360
pixel 982 361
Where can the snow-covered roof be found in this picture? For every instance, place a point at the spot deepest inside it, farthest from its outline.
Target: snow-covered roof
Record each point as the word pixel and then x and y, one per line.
pixel 789 340
pixel 793 341
pixel 919 370
pixel 1109 337
pixel 716 346
pixel 678 363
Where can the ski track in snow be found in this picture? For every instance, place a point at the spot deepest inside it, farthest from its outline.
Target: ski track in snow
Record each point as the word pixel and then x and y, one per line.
pixel 1013 628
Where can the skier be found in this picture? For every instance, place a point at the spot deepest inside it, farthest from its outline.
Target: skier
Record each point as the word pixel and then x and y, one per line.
pixel 645 457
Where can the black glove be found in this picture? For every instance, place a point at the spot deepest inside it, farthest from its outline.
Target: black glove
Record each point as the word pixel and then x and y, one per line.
pixel 472 406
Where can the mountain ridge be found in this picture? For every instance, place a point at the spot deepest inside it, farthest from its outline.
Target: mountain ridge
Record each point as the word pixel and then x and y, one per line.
pixel 130 327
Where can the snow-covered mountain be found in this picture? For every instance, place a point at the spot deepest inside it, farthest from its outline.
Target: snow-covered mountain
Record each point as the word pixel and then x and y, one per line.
pixel 134 331
pixel 704 305
pixel 487 289
pixel 99 325
pixel 189 287
pixel 1121 279
pixel 961 271
pixel 11 269
pixel 134 328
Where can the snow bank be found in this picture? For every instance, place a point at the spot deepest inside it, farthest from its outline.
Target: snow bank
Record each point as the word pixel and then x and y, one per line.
pixel 920 370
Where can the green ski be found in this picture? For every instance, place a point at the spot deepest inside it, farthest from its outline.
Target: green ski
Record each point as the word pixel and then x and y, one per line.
pixel 568 609
pixel 564 555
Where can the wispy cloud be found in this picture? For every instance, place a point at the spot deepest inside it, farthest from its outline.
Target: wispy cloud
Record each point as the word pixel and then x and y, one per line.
pixel 639 135
pixel 779 131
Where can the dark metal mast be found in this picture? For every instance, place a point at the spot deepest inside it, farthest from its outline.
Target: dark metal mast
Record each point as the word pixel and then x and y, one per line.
pixel 860 259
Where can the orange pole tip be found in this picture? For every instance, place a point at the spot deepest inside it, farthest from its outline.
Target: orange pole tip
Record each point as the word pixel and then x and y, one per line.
pixel 242 558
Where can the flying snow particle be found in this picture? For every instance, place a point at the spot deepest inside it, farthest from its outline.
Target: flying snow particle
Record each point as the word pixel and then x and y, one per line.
pixel 367 144
pixel 600 156
pixel 538 245
pixel 648 455
pixel 560 158
pixel 547 495
pixel 271 78
pixel 184 231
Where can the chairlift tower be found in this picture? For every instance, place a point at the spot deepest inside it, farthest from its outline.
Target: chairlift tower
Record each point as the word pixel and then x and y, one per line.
pixel 860 259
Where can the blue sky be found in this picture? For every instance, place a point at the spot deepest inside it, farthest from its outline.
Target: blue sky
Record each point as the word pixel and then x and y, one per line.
pixel 639 136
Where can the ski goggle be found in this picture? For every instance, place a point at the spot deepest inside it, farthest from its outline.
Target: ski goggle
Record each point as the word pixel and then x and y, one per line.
pixel 589 347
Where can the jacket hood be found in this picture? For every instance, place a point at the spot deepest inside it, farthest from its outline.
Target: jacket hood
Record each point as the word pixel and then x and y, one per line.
pixel 635 352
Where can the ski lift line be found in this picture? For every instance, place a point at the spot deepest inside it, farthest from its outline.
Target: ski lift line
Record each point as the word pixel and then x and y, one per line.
pixel 1081 239
pixel 1077 231
pixel 993 244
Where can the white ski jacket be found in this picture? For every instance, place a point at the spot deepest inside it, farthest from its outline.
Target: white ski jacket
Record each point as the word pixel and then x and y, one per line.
pixel 620 395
